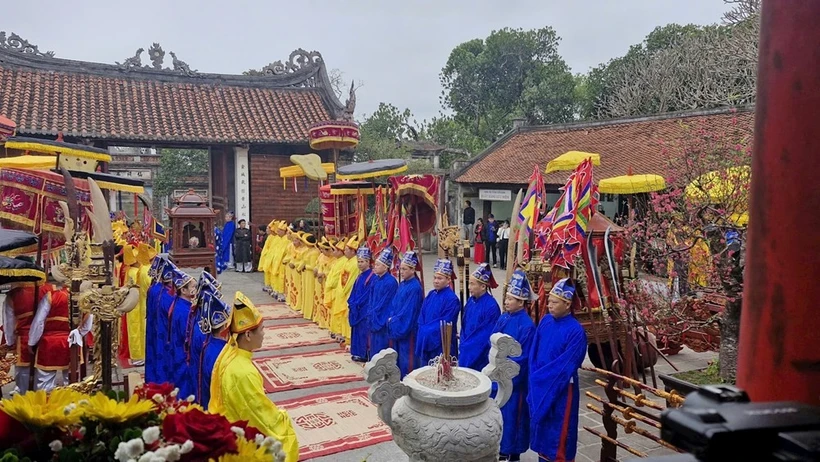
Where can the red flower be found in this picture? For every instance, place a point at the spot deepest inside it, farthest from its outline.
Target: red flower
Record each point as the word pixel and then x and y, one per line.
pixel 148 390
pixel 250 431
pixel 211 433
pixel 11 431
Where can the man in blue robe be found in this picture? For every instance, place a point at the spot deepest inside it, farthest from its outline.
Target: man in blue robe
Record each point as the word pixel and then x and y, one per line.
pixel 557 353
pixel 164 303
pixel 516 322
pixel 382 295
pixel 180 348
pixel 216 323
pixel 441 304
pixel 198 330
pixel 151 315
pixel 224 259
pixel 480 316
pixel 404 314
pixel 357 307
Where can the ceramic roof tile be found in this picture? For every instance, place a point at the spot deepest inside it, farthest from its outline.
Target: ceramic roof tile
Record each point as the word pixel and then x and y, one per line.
pixel 622 144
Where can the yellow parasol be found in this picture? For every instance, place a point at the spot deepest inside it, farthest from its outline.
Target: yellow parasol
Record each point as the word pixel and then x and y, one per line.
pixel 719 186
pixel 57 147
pixel 631 184
pixel 570 160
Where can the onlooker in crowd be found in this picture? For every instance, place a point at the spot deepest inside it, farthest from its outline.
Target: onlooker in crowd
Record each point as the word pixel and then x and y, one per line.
pixel 503 242
pixel 479 237
pixel 491 241
pixel 468 222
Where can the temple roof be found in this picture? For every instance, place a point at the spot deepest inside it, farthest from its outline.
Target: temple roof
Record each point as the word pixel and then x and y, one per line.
pixel 624 144
pixel 130 101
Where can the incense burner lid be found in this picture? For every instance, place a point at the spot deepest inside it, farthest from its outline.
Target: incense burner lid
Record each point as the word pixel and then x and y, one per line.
pixel 468 387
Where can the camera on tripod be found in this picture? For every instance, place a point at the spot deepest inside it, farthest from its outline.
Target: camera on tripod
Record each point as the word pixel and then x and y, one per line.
pixel 719 423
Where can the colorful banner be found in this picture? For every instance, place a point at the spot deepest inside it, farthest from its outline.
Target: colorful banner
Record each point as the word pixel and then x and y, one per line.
pixel 425 187
pixel 568 221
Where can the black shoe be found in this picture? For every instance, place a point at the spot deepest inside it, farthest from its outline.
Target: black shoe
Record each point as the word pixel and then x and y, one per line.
pixel 358 359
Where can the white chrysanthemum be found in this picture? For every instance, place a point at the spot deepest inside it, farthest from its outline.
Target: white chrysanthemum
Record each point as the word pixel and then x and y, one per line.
pixel 190 399
pixel 175 392
pixel 122 452
pixel 187 447
pixel 269 441
pixel 136 447
pixel 238 431
pixel 147 457
pixel 150 435
pixel 158 398
pixel 56 445
pixel 170 453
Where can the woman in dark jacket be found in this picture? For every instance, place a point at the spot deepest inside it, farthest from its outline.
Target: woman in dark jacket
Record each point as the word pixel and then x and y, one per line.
pixel 480 237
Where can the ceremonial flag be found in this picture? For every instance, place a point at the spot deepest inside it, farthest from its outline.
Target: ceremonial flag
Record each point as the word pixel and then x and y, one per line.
pixel 530 208
pixel 405 241
pixel 569 219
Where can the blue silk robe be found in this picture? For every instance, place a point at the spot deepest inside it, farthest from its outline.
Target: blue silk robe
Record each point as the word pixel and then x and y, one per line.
pixel 516 414
pixel 223 258
pixel 165 360
pixel 151 335
pixel 213 348
pixel 357 314
pixel 180 318
pixel 196 344
pixel 403 323
pixel 439 305
pixel 382 295
pixel 557 352
pixel 480 316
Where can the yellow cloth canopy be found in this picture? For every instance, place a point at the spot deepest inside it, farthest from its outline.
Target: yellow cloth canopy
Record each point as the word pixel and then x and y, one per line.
pixel 29 162
pixel 631 184
pixel 56 147
pixel 570 160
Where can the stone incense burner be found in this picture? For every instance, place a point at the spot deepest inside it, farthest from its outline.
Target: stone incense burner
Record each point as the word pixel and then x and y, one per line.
pixel 455 420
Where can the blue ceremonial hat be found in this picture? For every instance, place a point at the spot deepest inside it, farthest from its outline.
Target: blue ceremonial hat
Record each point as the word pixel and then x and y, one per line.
pixel 386 257
pixel 181 279
pixel 364 253
pixel 216 314
pixel 484 275
pixel 563 290
pixel 444 267
pixel 207 278
pixel 167 270
pixel 520 287
pixel 411 259
pixel 156 267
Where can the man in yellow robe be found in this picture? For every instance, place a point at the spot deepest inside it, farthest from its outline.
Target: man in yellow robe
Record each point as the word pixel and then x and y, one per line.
pixel 275 267
pixel 265 255
pixel 236 385
pixel 288 268
pixel 309 259
pixel 320 312
pixel 135 319
pixel 297 268
pixel 349 271
pixel 331 283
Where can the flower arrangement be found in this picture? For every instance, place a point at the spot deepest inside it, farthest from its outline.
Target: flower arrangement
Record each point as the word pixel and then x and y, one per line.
pixel 153 425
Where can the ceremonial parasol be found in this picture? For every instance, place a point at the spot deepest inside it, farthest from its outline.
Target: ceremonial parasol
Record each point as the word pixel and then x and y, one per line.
pixel 307 165
pixel 570 160
pixel 112 182
pixel 18 270
pixel 333 134
pixel 7 127
pixel 344 188
pixel 371 169
pixel 60 148
pixel 29 162
pixel 631 184
pixel 11 239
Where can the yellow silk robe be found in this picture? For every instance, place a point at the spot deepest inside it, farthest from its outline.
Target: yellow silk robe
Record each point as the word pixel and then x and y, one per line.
pixel 321 315
pixel 237 394
pixel 349 273
pixel 287 259
pixel 277 269
pixel 331 284
pixel 296 289
pixel 309 260
pixel 265 258
pixel 135 318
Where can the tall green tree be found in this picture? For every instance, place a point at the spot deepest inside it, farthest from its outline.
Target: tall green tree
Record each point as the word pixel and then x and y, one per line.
pixel 177 168
pixel 511 73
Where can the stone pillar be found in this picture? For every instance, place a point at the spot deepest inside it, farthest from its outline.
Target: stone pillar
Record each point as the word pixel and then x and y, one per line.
pixel 243 183
pixel 779 350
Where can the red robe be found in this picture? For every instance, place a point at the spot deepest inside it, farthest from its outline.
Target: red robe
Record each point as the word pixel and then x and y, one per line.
pixel 22 302
pixel 53 353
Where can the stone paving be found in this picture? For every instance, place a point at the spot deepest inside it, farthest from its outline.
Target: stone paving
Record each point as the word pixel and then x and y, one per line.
pixel 588 445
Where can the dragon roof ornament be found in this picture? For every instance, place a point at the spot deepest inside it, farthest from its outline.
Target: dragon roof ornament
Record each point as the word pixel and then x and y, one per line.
pixel 16 43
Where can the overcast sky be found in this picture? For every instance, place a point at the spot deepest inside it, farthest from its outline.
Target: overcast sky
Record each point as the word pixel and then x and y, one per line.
pixel 396 49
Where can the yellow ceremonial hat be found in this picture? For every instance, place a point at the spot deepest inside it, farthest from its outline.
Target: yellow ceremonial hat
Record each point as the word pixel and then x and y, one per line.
pixel 340 244
pixel 353 243
pixel 308 239
pixel 129 255
pixel 145 253
pixel 245 315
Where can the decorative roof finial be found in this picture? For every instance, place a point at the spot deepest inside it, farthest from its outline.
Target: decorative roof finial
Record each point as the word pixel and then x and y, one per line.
pixel 350 104
pixel 19 44
pixel 134 62
pixel 156 55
